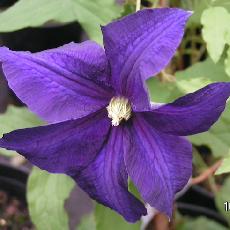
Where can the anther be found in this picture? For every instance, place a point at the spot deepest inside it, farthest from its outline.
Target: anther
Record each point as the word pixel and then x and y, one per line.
pixel 119 109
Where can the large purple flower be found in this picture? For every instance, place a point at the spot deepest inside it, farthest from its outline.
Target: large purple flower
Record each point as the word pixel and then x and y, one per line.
pixel 104 126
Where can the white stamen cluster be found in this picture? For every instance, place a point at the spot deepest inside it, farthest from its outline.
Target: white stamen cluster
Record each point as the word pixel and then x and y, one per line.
pixel 119 109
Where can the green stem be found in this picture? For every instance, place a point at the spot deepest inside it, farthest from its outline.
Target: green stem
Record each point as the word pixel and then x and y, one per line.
pixel 138 5
pixel 155 3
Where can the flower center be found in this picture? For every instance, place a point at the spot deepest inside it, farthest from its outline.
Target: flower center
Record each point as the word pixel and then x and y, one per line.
pixel 118 109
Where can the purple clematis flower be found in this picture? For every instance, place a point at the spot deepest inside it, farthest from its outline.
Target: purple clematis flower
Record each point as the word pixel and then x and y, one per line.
pixel 104 127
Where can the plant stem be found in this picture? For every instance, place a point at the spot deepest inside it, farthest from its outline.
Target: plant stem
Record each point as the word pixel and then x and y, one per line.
pixel 206 174
pixel 163 3
pixel 138 5
pixel 155 3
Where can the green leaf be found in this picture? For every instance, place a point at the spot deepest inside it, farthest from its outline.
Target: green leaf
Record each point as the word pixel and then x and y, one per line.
pixel 227 61
pixel 33 13
pixel 215 21
pixel 93 13
pixel 217 138
pixel 223 3
pixel 108 219
pixel 222 196
pixel 128 8
pixel 199 75
pixel 202 223
pixel 87 223
pixel 16 118
pixel 225 166
pixel 204 72
pixel 163 92
pixel 132 189
pixel 46 194
pixel 197 7
pixel 187 81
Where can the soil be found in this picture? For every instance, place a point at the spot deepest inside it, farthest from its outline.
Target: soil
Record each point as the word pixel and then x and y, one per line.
pixel 13 213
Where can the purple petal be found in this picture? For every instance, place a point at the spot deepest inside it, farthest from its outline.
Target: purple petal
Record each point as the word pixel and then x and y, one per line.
pixel 59 84
pixel 158 164
pixel 105 180
pixel 140 45
pixel 63 147
pixel 193 113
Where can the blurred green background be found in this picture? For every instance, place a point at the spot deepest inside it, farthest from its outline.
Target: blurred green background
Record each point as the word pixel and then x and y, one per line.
pixel 33 199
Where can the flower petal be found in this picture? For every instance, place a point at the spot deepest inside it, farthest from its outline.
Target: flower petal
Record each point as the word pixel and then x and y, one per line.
pixel 63 147
pixel 105 180
pixel 140 45
pixel 158 164
pixel 59 84
pixel 193 113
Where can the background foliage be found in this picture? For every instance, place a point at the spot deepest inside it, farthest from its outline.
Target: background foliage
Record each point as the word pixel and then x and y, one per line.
pixel 202 58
